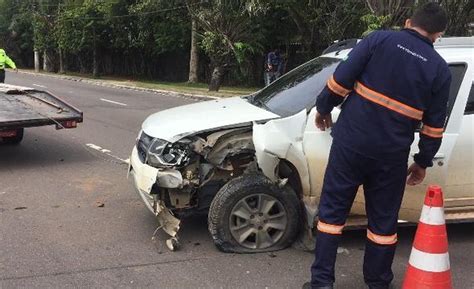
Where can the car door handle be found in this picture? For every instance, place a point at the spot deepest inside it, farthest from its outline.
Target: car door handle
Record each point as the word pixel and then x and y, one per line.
pixel 438 157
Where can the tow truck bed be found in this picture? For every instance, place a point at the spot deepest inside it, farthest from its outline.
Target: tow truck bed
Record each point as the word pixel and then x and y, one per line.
pixel 22 107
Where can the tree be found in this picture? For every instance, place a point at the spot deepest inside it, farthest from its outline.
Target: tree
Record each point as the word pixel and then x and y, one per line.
pixel 16 29
pixel 43 21
pixel 229 34
pixel 387 14
pixel 194 54
pixel 460 15
pixel 164 39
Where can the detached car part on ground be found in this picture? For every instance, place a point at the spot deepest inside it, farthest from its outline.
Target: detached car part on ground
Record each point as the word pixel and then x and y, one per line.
pixel 255 164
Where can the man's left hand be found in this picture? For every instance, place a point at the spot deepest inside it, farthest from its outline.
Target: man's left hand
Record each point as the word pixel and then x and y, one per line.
pixel 416 175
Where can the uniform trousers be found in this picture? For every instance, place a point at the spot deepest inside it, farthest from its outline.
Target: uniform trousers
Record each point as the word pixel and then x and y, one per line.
pixel 383 184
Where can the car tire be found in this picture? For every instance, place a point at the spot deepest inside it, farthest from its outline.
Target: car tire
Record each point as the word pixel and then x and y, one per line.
pixel 278 224
pixel 15 139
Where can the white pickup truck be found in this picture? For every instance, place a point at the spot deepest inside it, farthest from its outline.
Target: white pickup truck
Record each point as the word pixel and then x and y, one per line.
pixel 254 164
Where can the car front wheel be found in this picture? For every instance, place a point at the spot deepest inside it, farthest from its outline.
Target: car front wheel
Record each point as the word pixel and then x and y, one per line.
pixel 251 214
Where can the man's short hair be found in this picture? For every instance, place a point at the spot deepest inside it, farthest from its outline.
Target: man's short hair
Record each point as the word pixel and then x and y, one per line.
pixel 430 17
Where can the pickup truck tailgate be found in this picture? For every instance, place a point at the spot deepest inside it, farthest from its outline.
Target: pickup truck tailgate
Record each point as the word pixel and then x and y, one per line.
pixel 27 107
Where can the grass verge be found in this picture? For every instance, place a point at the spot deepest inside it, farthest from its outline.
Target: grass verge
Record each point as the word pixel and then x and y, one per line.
pixel 179 87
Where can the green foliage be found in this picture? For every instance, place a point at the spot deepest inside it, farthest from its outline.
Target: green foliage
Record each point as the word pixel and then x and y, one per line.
pixel 152 37
pixel 162 32
pixel 244 50
pixel 374 22
pixel 215 46
pixel 230 33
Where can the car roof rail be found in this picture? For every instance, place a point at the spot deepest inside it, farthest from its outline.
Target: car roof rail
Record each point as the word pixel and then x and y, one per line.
pixel 457 42
pixel 340 45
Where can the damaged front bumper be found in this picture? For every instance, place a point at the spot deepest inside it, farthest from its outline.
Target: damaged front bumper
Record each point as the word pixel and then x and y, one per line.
pixel 144 177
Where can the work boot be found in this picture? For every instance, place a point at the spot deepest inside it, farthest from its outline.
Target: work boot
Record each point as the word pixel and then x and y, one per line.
pixel 307 285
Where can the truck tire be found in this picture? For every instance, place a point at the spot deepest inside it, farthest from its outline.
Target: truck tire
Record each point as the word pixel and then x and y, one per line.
pixel 15 139
pixel 250 214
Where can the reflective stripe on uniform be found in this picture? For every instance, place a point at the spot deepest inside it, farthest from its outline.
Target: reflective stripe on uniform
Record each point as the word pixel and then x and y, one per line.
pixel 380 239
pixel 388 102
pixel 330 229
pixel 432 131
pixel 337 88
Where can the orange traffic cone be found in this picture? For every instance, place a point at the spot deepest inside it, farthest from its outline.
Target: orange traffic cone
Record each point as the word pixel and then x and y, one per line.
pixel 429 267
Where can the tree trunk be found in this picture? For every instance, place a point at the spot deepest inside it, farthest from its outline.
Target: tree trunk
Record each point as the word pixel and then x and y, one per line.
pixel 216 78
pixel 194 55
pixel 37 60
pixel 95 61
pixel 61 61
pixel 45 60
pixel 95 64
pixel 48 65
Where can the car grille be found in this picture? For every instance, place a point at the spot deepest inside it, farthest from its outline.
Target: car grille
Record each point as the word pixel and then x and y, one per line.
pixel 143 144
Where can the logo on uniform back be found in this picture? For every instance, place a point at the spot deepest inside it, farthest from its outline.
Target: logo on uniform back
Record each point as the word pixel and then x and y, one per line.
pixel 412 53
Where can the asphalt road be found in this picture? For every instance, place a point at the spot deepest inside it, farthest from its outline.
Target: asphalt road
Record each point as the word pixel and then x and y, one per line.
pixel 55 234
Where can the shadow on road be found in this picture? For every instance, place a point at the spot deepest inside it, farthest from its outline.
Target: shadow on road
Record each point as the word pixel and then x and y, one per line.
pixel 42 151
pixel 194 229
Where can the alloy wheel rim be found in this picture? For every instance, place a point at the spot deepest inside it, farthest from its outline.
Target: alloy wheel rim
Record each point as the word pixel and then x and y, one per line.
pixel 258 221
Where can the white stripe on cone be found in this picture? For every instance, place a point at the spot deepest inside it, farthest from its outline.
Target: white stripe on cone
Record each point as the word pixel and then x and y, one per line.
pixel 432 215
pixel 428 261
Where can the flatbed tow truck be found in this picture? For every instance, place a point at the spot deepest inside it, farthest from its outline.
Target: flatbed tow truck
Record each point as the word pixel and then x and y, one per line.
pixel 23 107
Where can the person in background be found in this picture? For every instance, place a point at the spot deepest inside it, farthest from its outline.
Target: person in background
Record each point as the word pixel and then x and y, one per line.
pixel 5 60
pixel 273 66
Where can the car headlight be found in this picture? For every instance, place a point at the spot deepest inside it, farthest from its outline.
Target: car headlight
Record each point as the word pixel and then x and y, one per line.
pixel 163 153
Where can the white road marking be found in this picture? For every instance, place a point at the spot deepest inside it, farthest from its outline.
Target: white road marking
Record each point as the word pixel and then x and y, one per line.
pixel 106 152
pixel 39 85
pixel 114 102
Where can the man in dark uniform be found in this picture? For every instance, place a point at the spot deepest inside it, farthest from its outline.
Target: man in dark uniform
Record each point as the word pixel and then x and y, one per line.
pixel 390 83
pixel 273 66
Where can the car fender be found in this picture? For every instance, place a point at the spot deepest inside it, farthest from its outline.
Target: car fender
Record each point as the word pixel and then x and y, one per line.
pixel 282 139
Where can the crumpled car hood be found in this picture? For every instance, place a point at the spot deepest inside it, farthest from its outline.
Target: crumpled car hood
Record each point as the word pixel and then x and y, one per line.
pixel 176 123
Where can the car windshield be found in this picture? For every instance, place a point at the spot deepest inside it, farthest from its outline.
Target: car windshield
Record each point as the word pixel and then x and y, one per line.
pixel 297 89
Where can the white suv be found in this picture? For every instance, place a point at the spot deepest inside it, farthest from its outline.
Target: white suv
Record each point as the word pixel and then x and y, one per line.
pixel 255 164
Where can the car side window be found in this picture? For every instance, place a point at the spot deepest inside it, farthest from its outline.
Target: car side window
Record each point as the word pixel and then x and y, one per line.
pixel 457 75
pixel 470 102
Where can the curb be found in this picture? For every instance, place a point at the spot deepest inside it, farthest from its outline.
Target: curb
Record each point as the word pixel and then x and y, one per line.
pixel 196 97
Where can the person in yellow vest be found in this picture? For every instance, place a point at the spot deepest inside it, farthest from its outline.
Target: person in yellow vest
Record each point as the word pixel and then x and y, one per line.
pixel 5 60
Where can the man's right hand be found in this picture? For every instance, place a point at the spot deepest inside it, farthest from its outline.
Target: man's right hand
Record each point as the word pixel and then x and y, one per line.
pixel 323 121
